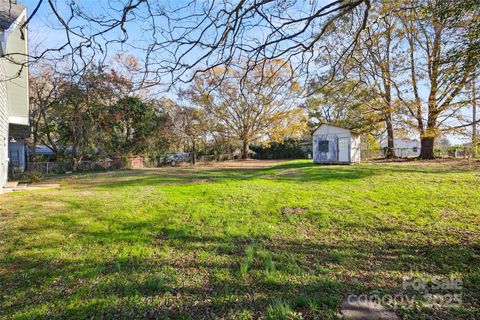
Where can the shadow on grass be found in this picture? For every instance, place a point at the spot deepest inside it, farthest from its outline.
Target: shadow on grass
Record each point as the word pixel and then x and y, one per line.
pixel 294 172
pixel 142 269
pixel 182 275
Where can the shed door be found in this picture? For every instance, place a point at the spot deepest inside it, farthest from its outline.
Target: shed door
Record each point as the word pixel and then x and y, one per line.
pixel 343 150
pixel 325 149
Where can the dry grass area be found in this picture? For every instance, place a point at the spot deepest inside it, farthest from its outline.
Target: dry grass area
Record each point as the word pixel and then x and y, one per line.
pixel 241 164
pixel 440 162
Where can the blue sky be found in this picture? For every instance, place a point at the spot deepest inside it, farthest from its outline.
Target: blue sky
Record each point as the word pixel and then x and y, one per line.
pixel 46 35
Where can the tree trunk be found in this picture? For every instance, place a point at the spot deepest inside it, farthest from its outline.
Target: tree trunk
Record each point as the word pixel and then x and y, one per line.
pixel 426 151
pixel 386 77
pixel 244 149
pixel 390 152
pixel 194 152
pixel 74 159
pixel 34 150
pixel 427 140
pixel 34 135
pixel 474 117
pixel 74 163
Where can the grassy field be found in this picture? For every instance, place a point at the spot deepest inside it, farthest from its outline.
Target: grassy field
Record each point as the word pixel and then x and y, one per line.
pixel 286 241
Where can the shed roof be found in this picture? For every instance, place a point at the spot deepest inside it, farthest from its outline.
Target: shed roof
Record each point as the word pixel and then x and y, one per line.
pixel 10 10
pixel 353 132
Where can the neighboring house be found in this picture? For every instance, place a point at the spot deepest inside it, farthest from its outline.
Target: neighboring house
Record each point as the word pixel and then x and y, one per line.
pixel 335 145
pixel 17 149
pixel 44 152
pixel 405 147
pixel 16 154
pixel 13 77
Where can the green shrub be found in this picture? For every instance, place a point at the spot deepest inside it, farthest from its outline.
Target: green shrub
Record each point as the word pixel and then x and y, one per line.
pixel 287 149
pixel 35 176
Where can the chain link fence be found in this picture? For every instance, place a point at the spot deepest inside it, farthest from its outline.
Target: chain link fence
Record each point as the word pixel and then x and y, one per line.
pixel 183 158
pixel 456 152
pixel 49 167
pixel 174 159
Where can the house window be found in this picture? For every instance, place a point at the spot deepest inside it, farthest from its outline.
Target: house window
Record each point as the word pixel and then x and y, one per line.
pixel 323 146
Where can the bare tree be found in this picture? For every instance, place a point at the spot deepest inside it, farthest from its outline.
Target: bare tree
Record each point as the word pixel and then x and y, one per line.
pixel 179 40
pixel 376 63
pixel 347 104
pixel 44 90
pixel 254 110
pixel 192 123
pixel 430 37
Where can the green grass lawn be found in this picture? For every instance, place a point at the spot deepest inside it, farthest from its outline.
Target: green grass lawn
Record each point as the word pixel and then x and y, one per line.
pixel 281 242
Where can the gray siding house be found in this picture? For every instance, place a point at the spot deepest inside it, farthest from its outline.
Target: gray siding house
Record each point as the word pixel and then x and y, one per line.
pixel 13 77
pixel 405 147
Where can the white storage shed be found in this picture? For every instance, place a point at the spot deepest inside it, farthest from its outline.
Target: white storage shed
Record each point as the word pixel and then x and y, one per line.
pixel 333 144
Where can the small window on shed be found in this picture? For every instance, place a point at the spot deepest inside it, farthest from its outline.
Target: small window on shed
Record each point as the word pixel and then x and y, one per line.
pixel 323 146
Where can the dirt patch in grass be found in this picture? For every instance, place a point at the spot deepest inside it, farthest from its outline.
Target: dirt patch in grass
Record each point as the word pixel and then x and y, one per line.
pixel 288 173
pixel 6 215
pixel 292 210
pixel 243 164
pixel 85 193
pixel 200 180
pixel 283 174
pixel 440 162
